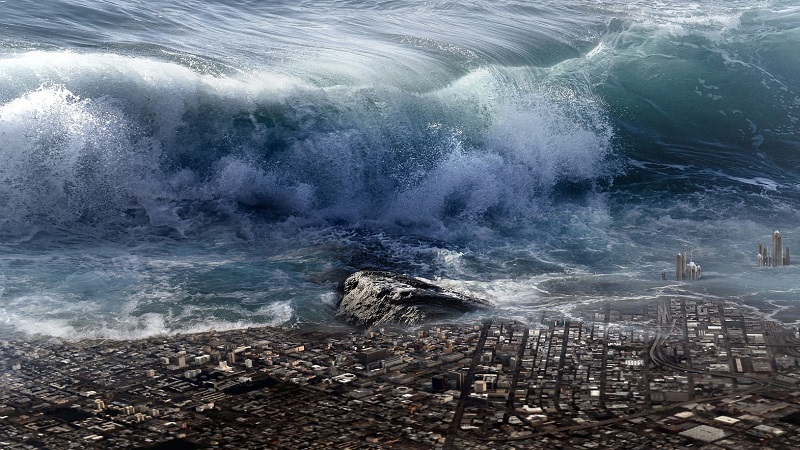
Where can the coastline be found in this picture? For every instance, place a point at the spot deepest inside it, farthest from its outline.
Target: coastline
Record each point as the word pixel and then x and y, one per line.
pixel 677 367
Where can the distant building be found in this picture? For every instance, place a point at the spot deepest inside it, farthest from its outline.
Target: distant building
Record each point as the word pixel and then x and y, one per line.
pixel 704 433
pixel 686 271
pixel 456 376
pixel 204 407
pixel 371 358
pixel 439 383
pixel 778 257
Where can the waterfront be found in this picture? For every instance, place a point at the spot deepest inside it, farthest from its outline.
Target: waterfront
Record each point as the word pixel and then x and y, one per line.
pixel 689 373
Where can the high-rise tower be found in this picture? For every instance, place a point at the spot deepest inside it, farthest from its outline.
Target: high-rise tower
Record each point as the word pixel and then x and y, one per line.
pixel 777 249
pixel 777 257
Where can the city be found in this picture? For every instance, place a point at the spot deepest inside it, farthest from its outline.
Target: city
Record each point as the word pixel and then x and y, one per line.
pixel 677 373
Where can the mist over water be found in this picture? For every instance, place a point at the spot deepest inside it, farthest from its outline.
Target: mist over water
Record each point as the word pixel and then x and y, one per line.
pixel 175 166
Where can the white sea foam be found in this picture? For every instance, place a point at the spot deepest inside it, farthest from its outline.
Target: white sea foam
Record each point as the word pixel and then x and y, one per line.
pixel 58 322
pixel 183 184
pixel 106 147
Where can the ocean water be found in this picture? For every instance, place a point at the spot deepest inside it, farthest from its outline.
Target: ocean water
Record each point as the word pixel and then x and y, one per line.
pixel 171 166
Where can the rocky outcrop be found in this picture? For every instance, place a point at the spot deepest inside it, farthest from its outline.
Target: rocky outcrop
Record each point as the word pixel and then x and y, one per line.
pixel 373 297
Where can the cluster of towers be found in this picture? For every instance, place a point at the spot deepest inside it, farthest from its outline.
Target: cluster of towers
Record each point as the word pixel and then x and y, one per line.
pixel 778 257
pixel 686 271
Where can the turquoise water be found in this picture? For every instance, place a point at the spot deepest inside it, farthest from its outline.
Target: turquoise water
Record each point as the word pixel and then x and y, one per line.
pixel 176 166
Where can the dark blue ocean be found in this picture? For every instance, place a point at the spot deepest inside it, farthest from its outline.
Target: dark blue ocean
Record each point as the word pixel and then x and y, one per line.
pixel 170 166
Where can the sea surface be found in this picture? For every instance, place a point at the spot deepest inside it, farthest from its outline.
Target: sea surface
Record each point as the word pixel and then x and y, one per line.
pixel 172 166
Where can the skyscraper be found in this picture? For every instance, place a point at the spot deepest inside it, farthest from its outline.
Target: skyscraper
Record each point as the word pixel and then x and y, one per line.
pixel 777 249
pixel 778 257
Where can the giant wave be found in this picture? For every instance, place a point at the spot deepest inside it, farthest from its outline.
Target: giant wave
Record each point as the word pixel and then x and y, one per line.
pixel 109 138
pixel 154 179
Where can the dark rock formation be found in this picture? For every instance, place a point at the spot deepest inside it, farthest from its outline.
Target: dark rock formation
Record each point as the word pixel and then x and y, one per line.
pixel 372 297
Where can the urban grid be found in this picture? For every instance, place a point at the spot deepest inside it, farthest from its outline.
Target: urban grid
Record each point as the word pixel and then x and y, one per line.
pixel 675 373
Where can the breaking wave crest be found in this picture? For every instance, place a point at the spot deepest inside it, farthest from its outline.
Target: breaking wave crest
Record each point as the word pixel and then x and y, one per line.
pixel 155 179
pixel 134 141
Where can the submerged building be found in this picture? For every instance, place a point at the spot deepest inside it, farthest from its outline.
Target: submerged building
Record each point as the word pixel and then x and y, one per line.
pixel 686 271
pixel 778 257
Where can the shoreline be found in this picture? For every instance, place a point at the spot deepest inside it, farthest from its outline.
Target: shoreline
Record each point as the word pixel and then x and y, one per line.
pixel 490 384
